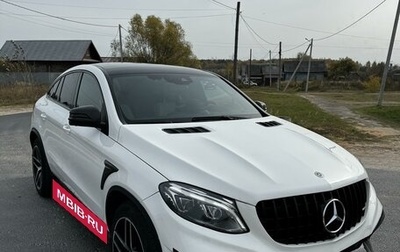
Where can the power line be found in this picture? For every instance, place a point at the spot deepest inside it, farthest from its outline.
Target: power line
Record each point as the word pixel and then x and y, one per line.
pixel 13 15
pixel 353 47
pixel 254 32
pixel 312 30
pixel 285 25
pixel 93 18
pixel 114 8
pixel 203 16
pixel 320 39
pixel 119 18
pixel 352 24
pixel 224 5
pixel 56 17
pixel 298 46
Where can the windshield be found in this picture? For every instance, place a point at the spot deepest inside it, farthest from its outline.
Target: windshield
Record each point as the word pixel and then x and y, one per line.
pixel 167 98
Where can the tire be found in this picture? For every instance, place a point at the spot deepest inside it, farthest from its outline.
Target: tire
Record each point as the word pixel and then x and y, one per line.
pixel 132 231
pixel 41 171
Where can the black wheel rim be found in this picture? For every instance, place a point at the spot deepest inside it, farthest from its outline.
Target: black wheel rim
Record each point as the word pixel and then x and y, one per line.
pixel 126 237
pixel 37 167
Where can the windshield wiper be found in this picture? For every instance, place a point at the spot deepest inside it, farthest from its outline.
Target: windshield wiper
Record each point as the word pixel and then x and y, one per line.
pixel 216 118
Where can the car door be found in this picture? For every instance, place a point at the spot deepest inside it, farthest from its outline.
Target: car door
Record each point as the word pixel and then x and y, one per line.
pixel 91 146
pixel 54 116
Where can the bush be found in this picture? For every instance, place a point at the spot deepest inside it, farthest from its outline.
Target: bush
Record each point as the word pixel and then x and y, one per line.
pixel 373 84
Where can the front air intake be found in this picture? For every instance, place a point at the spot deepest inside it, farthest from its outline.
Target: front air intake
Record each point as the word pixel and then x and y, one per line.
pixel 186 130
pixel 269 124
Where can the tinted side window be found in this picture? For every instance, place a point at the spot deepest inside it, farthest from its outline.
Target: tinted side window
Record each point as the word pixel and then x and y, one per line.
pixel 89 92
pixel 53 90
pixel 69 88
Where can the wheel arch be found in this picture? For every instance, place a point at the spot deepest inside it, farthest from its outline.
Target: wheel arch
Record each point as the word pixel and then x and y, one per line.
pixel 33 135
pixel 119 199
pixel 117 196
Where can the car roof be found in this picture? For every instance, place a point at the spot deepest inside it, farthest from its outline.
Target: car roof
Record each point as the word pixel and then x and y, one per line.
pixel 145 68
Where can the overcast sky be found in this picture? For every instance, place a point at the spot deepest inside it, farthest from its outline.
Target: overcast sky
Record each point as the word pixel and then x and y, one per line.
pixel 210 25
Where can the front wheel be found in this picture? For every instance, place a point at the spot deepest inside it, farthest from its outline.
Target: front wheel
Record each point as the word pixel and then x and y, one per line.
pixel 41 170
pixel 132 231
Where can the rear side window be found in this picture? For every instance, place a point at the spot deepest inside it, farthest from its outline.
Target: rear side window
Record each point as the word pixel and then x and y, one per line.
pixel 53 90
pixel 69 89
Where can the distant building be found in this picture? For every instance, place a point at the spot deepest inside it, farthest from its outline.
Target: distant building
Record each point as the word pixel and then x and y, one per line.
pixel 318 70
pixel 44 60
pixel 261 73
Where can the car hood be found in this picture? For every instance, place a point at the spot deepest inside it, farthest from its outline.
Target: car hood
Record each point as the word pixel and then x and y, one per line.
pixel 248 160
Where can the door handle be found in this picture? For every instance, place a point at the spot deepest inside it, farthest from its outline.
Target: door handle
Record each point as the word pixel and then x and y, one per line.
pixel 43 116
pixel 67 128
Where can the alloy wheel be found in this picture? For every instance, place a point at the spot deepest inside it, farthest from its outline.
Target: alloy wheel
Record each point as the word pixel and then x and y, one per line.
pixel 37 167
pixel 126 237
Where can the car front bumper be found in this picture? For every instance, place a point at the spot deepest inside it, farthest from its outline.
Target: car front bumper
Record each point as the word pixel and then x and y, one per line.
pixel 179 235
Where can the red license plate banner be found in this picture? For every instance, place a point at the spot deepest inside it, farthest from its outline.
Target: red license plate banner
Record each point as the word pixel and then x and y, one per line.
pixel 80 211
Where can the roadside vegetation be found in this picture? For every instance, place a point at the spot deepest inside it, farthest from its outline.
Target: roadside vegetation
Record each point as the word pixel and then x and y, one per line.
pixel 21 94
pixel 302 112
pixel 366 105
pixel 389 115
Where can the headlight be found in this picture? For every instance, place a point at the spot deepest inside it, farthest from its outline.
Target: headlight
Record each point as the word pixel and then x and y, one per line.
pixel 203 208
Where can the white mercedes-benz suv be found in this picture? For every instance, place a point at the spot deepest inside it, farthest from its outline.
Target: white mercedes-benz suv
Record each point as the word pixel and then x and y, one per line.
pixel 164 158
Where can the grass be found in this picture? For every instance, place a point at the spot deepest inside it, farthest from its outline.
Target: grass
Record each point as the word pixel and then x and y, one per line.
pixel 361 97
pixel 304 113
pixel 21 94
pixel 388 114
pixel 366 104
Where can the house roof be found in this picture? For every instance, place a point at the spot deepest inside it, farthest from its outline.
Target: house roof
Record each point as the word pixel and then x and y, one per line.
pixel 50 50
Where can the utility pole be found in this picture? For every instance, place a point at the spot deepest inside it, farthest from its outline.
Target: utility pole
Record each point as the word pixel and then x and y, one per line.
pixel 120 43
pixel 309 64
pixel 251 52
pixel 270 69
pixel 389 55
pixel 280 65
pixel 236 44
pixel 297 67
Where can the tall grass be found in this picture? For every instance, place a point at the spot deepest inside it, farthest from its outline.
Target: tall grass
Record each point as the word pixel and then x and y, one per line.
pixel 21 94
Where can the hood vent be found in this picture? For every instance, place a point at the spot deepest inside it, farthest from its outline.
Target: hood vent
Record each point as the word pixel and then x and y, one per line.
pixel 186 130
pixel 269 124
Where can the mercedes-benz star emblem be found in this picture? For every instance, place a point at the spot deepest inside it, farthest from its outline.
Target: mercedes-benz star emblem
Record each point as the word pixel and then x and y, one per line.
pixel 334 216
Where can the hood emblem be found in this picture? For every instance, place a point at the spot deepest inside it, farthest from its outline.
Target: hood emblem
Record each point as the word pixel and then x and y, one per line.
pixel 334 216
pixel 318 174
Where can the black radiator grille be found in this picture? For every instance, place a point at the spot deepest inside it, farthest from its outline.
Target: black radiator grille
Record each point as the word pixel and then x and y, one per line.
pixel 298 219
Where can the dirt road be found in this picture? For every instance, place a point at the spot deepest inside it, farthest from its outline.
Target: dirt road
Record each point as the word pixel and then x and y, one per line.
pixel 383 154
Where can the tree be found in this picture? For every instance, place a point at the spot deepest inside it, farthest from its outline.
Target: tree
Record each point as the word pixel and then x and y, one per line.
pixel 155 41
pixel 341 68
pixel 302 55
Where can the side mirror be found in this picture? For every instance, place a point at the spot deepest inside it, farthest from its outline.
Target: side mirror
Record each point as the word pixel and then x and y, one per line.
pixel 87 116
pixel 262 105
